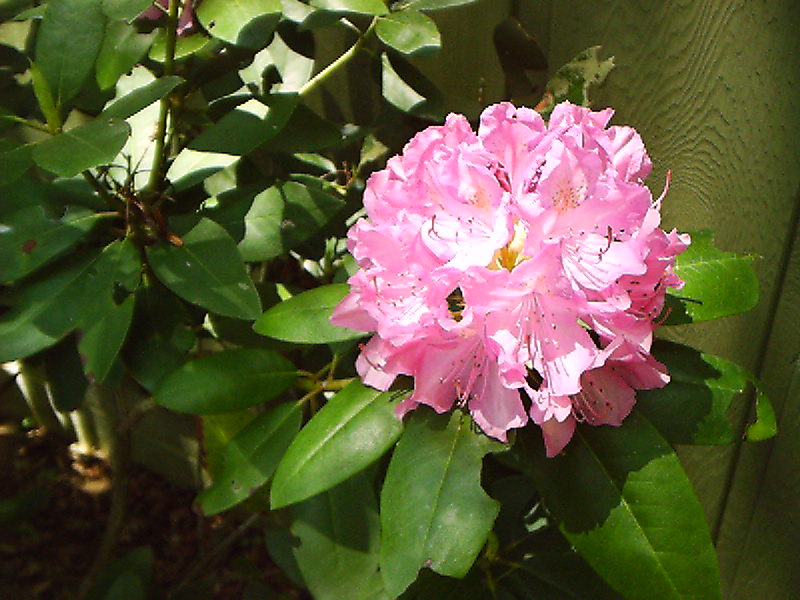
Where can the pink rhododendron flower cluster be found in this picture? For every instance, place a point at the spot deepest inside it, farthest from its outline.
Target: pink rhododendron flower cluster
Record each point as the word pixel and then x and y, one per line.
pixel 518 272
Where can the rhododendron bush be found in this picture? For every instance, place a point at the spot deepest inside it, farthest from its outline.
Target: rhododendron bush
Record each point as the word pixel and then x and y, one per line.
pixel 421 344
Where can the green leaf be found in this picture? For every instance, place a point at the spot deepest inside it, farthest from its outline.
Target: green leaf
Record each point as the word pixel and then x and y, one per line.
pixel 305 318
pixel 66 384
pixel 184 46
pixel 191 167
pixel 355 428
pixel 409 32
pixel 434 512
pixel 241 22
pixel 359 7
pixel 85 146
pixel 305 132
pixel 226 381
pixel 429 4
pixel 125 10
pixel 408 90
pixel 137 562
pixel 765 425
pixel 207 270
pixel 160 336
pixel 339 536
pixel 218 431
pixel 30 238
pixel 572 81
pixel 67 43
pixel 123 46
pixel 107 306
pixel 16 161
pixel 43 310
pixel 44 96
pixel 693 407
pixel 249 460
pixel 140 98
pixel 284 216
pixel 565 575
pixel 621 497
pixel 718 283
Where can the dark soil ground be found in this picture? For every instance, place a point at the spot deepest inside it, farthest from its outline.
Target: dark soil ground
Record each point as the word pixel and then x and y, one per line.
pixel 53 513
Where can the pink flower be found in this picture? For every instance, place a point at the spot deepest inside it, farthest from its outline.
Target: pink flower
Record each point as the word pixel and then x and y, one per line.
pixel 518 272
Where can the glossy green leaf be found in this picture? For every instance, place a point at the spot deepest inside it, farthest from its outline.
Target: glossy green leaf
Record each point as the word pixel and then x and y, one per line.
pixel 43 310
pixel 718 283
pixel 30 237
pixel 185 46
pixel 226 381
pixel 339 536
pixel 191 167
pixel 409 32
pixel 693 407
pixel 44 96
pixel 67 43
pixel 765 425
pixel 81 148
pixel 429 4
pixel 408 90
pixel 218 431
pixel 355 428
pixel 621 497
pixel 123 46
pixel 305 132
pixel 251 457
pixel 207 270
pixel 160 337
pixel 107 306
pixel 125 9
pixel 359 7
pixel 305 318
pixel 434 512
pixel 140 98
pixel 241 22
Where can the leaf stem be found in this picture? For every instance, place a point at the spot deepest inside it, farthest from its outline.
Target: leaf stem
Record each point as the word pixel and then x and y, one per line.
pixel 320 77
pixel 159 156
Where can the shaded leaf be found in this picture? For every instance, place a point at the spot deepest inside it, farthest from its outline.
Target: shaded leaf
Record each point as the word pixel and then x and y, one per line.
pixel 125 9
pixel 67 43
pixel 123 46
pixel 16 161
pixel 718 283
pixel 140 98
pixel 226 381
pixel 66 384
pixel 207 270
pixel 83 147
pixel 249 460
pixel 408 90
pixel 305 318
pixel 30 238
pixel 360 7
pixel 339 535
pixel 242 22
pixel 621 497
pixel 355 428
pixel 409 32
pixel 434 512
pixel 429 4
pixel 218 431
pixel 44 96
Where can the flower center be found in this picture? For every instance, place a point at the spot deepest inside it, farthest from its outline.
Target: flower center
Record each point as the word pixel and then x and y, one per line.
pixel 510 255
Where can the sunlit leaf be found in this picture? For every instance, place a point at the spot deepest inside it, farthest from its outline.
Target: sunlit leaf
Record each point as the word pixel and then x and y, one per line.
pixel 81 148
pixel 429 4
pixel 572 81
pixel 355 428
pixel 361 7
pixel 123 46
pixel 405 88
pixel 140 98
pixel 409 32
pixel 765 425
pixel 242 22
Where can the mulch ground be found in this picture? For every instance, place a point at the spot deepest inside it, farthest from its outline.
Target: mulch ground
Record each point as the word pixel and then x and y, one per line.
pixel 54 509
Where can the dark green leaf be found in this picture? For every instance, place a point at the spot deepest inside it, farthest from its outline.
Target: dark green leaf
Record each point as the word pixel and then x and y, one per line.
pixel 565 574
pixel 429 4
pixel 218 431
pixel 359 7
pixel 85 146
pixel 160 337
pixel 138 562
pixel 355 428
pixel 140 98
pixel 305 132
pixel 44 96
pixel 693 407
pixel 29 238
pixel 16 161
pixel 249 460
pixel 718 283
pixel 409 32
pixel 123 46
pixel 43 311
pixel 166 443
pixel 621 497
pixel 434 512
pixel 408 90
pixel 65 380
pixel 127 586
pixel 242 22
pixel 765 425
pixel 339 535
pixel 226 381
pixel 125 10
pixel 207 270
pixel 67 43
pixel 305 318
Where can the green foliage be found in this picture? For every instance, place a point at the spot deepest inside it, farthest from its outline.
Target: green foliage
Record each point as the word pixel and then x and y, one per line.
pixel 84 147
pixel 409 32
